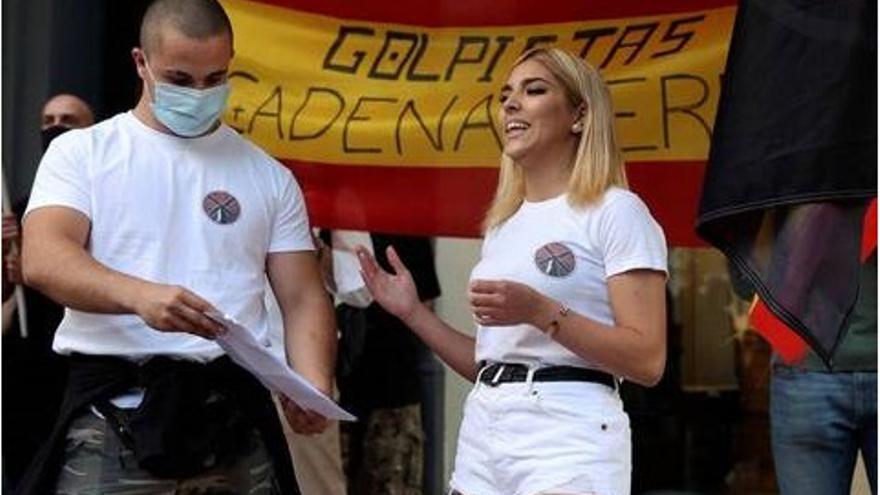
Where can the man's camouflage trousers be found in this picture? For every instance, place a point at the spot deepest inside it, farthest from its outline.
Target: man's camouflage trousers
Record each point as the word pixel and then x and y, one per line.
pixel 96 462
pixel 393 452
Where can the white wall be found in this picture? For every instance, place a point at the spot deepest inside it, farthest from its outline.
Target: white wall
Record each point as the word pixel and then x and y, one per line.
pixel 455 259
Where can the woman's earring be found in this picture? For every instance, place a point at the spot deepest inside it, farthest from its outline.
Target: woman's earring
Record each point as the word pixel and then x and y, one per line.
pixel 577 128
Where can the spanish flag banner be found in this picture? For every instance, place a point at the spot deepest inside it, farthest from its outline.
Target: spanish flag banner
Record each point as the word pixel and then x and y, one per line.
pixel 388 112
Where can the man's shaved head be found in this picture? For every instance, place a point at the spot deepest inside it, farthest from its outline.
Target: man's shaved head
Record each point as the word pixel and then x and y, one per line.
pixel 68 111
pixel 197 19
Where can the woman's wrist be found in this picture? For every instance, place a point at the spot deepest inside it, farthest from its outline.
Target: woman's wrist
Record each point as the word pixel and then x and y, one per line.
pixel 543 313
pixel 551 316
pixel 412 318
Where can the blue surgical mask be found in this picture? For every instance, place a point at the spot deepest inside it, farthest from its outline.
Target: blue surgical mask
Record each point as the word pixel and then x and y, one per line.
pixel 188 112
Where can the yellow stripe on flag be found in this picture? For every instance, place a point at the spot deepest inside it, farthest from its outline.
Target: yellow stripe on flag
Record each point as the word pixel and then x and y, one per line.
pixel 315 88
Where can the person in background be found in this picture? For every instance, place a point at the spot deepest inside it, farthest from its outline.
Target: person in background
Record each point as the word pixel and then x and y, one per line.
pixel 821 419
pixel 62 113
pixel 33 376
pixel 380 376
pixel 317 459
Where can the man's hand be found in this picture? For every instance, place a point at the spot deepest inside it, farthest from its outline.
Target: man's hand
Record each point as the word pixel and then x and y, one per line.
pixel 171 308
pixel 301 420
pixel 11 258
pixel 10 229
pixel 12 266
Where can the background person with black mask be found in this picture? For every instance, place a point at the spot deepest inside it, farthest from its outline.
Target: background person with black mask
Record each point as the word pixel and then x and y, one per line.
pixel 62 113
pixel 33 376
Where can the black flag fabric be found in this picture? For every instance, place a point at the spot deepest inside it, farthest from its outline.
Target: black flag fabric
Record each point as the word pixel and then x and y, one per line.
pixel 793 161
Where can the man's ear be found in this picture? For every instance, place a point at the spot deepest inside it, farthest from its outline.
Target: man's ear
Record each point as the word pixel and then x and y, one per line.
pixel 137 55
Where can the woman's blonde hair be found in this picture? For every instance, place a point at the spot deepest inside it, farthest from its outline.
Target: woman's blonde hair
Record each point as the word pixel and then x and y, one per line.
pixel 598 163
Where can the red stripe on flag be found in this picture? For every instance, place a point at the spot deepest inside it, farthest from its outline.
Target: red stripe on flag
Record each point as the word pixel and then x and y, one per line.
pixel 784 341
pixel 492 13
pixel 672 192
pixel 410 200
pixel 869 231
pixel 452 201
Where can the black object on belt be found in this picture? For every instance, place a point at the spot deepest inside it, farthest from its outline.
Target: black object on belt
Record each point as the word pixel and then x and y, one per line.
pixel 496 373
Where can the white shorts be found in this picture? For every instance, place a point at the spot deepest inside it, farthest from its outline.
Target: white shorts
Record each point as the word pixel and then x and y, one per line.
pixel 543 437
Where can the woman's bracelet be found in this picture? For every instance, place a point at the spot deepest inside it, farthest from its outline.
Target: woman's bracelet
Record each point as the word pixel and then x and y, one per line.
pixel 553 326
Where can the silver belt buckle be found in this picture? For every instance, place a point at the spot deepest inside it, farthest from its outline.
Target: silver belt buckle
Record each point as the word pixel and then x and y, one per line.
pixel 497 375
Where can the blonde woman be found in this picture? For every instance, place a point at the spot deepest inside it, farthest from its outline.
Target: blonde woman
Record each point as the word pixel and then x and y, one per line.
pixel 568 296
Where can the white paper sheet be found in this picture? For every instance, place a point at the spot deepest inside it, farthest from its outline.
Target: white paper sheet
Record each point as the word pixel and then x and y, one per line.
pixel 275 375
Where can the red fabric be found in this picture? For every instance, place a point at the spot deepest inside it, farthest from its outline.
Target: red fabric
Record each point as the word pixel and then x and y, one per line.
pixel 869 231
pixel 492 13
pixel 356 197
pixel 784 341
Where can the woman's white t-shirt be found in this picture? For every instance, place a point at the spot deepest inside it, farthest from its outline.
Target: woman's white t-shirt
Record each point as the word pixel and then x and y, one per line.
pixel 566 253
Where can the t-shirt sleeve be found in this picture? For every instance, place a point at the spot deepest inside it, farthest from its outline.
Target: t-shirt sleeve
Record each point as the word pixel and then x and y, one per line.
pixel 63 177
pixel 290 228
pixel 630 237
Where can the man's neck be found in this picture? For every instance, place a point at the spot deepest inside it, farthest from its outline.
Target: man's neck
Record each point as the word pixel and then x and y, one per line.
pixel 143 113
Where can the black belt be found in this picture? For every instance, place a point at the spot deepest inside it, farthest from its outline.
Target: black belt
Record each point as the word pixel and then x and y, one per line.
pixel 496 373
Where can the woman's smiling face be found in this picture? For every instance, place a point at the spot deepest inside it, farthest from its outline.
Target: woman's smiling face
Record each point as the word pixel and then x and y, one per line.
pixel 536 114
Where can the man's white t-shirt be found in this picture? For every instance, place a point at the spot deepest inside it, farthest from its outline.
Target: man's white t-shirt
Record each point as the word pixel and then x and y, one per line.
pixel 568 254
pixel 201 213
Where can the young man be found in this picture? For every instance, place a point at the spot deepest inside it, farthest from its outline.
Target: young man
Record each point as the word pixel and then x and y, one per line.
pixel 141 225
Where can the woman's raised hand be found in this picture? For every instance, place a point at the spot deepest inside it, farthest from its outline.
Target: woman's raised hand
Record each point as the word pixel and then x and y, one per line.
pixel 396 292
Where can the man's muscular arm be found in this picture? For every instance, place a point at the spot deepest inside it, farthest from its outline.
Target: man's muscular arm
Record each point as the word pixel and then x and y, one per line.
pixel 55 261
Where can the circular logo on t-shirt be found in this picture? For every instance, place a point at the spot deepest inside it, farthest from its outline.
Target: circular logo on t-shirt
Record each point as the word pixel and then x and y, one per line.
pixel 554 259
pixel 221 207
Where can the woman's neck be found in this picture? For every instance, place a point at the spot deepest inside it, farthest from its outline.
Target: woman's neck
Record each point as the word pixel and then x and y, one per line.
pixel 548 177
